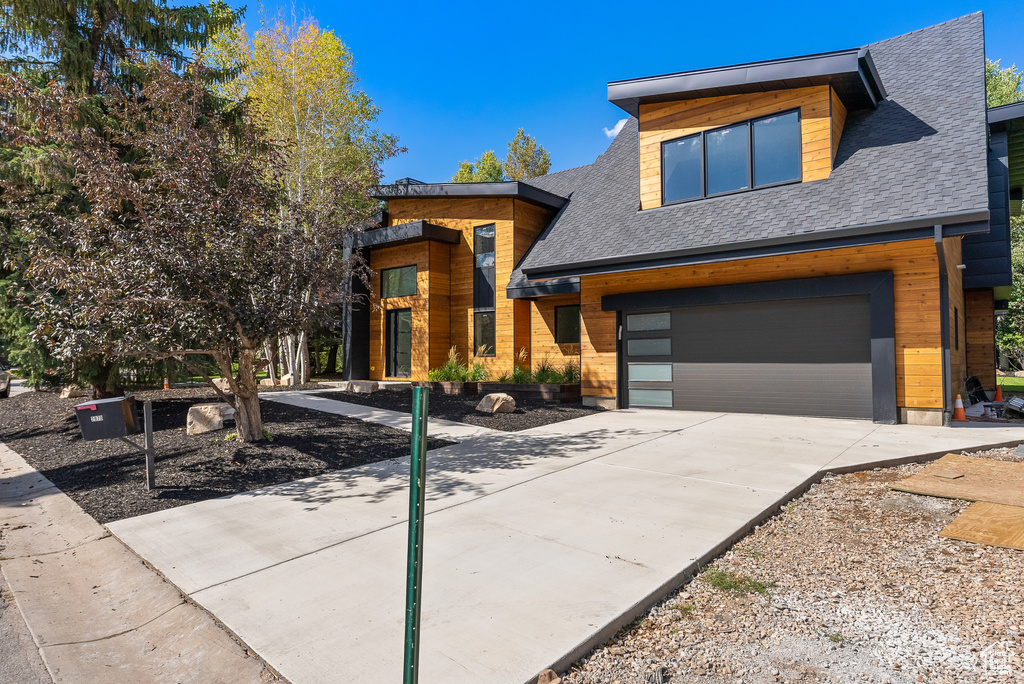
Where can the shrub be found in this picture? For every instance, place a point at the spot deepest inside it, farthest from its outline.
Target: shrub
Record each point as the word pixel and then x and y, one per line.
pixel 454 370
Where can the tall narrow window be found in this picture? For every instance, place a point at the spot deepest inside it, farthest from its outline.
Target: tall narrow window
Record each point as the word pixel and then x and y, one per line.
pixel 727 155
pixel 567 324
pixel 483 290
pixel 777 149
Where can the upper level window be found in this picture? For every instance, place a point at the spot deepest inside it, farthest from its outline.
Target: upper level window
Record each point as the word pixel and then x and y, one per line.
pixel 398 282
pixel 751 154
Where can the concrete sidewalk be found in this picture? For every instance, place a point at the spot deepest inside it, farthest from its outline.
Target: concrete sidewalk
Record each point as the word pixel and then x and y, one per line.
pixel 442 429
pixel 95 612
pixel 539 544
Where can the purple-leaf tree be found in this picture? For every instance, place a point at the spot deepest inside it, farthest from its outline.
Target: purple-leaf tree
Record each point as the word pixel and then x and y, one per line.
pixel 175 238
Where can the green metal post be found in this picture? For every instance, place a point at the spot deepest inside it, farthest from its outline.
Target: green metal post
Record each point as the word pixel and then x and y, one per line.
pixel 414 579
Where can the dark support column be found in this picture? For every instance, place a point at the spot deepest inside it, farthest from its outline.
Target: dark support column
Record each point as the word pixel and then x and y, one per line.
pixel 947 373
pixel 355 334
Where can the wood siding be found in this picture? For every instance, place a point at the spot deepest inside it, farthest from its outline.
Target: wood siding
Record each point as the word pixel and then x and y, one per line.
pixel 665 121
pixel 980 334
pixel 957 336
pixel 445 318
pixel 543 331
pixel 391 257
pixel 838 121
pixel 917 304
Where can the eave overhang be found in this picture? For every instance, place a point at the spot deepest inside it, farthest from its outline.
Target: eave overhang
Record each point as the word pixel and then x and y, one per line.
pixel 998 117
pixel 959 223
pixel 851 73
pixel 544 288
pixel 405 233
pixel 507 189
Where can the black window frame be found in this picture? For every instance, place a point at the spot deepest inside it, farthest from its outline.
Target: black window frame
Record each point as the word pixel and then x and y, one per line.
pixel 749 123
pixel 415 281
pixel 579 325
pixel 494 328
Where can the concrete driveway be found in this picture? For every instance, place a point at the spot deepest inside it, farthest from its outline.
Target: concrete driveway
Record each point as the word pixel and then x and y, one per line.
pixel 539 544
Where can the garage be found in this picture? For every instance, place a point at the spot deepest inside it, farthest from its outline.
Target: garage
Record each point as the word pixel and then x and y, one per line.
pixel 761 348
pixel 809 357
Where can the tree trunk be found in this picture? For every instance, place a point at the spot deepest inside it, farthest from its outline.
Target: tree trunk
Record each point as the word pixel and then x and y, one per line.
pixel 105 383
pixel 332 360
pixel 303 360
pixel 248 419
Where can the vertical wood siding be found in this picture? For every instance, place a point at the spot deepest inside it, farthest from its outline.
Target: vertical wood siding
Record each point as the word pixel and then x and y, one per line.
pixel 665 121
pixel 916 294
pixel 543 331
pixel 981 348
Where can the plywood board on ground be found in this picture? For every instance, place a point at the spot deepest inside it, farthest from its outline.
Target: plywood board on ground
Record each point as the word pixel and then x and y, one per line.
pixel 989 523
pixel 982 479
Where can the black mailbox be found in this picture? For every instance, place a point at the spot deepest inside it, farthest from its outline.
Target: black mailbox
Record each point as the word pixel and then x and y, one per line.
pixel 108 418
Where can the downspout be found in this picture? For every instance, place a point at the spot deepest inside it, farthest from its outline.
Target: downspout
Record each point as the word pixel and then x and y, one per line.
pixel 940 252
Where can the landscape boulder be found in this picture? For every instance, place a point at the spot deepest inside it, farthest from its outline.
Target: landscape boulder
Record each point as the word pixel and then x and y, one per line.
pixel 286 379
pixel 208 418
pixel 363 386
pixel 267 382
pixel 548 677
pixel 223 384
pixel 73 392
pixel 496 403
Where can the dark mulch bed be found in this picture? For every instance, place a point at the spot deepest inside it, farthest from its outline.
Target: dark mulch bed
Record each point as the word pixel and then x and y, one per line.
pixel 107 478
pixel 528 414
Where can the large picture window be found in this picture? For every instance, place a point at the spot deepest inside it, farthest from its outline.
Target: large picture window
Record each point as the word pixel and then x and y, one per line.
pixel 567 324
pixel 398 282
pixel 751 154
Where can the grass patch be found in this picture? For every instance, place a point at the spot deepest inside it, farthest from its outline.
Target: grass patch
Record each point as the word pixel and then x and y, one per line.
pixel 836 637
pixel 1010 383
pixel 734 583
pixel 687 609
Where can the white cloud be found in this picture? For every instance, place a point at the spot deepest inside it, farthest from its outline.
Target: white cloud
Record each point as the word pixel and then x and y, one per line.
pixel 614 131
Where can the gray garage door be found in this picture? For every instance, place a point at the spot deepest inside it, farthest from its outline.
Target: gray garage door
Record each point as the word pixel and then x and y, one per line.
pixel 807 357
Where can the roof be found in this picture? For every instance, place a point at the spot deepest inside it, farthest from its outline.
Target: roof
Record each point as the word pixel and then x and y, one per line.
pixel 851 72
pixel 404 233
pixel 516 189
pixel 919 157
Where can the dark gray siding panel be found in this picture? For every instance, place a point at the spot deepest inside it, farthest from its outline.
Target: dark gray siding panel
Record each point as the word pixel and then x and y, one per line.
pixel 987 257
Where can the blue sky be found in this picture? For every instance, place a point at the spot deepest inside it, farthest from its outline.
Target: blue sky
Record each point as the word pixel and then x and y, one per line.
pixel 456 79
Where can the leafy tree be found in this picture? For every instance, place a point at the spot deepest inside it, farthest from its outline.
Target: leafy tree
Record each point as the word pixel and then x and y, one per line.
pixel 76 44
pixel 1003 86
pixel 486 169
pixel 300 80
pixel 1006 86
pixel 526 159
pixel 186 247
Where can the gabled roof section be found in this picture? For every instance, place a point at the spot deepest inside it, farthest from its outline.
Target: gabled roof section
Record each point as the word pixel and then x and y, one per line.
pixel 851 72
pixel 514 189
pixel 920 158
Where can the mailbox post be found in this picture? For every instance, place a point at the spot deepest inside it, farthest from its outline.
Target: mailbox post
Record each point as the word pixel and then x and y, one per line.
pixel 116 419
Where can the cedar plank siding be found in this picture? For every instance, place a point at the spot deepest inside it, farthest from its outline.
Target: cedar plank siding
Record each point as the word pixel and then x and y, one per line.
pixel 445 319
pixel 957 336
pixel 838 121
pixel 980 334
pixel 390 257
pixel 916 293
pixel 543 331
pixel 666 121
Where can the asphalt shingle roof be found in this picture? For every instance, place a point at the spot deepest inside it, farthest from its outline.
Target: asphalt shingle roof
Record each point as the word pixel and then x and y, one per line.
pixel 921 153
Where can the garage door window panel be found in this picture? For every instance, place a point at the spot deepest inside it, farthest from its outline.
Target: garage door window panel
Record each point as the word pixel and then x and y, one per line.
pixel 654 398
pixel 655 346
pixel 650 372
pixel 649 321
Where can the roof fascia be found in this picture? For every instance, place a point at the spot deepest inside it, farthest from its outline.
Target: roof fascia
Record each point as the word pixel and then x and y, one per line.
pixel 505 189
pixel 959 223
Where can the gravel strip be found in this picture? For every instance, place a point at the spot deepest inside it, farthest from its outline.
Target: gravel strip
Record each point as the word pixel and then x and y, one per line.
pixel 107 479
pixel 863 589
pixel 462 409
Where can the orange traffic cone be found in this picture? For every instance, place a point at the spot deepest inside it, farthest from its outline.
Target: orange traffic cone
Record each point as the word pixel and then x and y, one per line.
pixel 958 410
pixel 999 393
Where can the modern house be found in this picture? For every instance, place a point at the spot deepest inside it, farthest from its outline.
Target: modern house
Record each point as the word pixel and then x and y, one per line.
pixel 824 235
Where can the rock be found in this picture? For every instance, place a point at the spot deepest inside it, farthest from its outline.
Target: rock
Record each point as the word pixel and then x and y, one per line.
pixel 222 384
pixel 496 403
pixel 73 392
pixel 548 677
pixel 286 379
pixel 267 382
pixel 363 386
pixel 207 418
